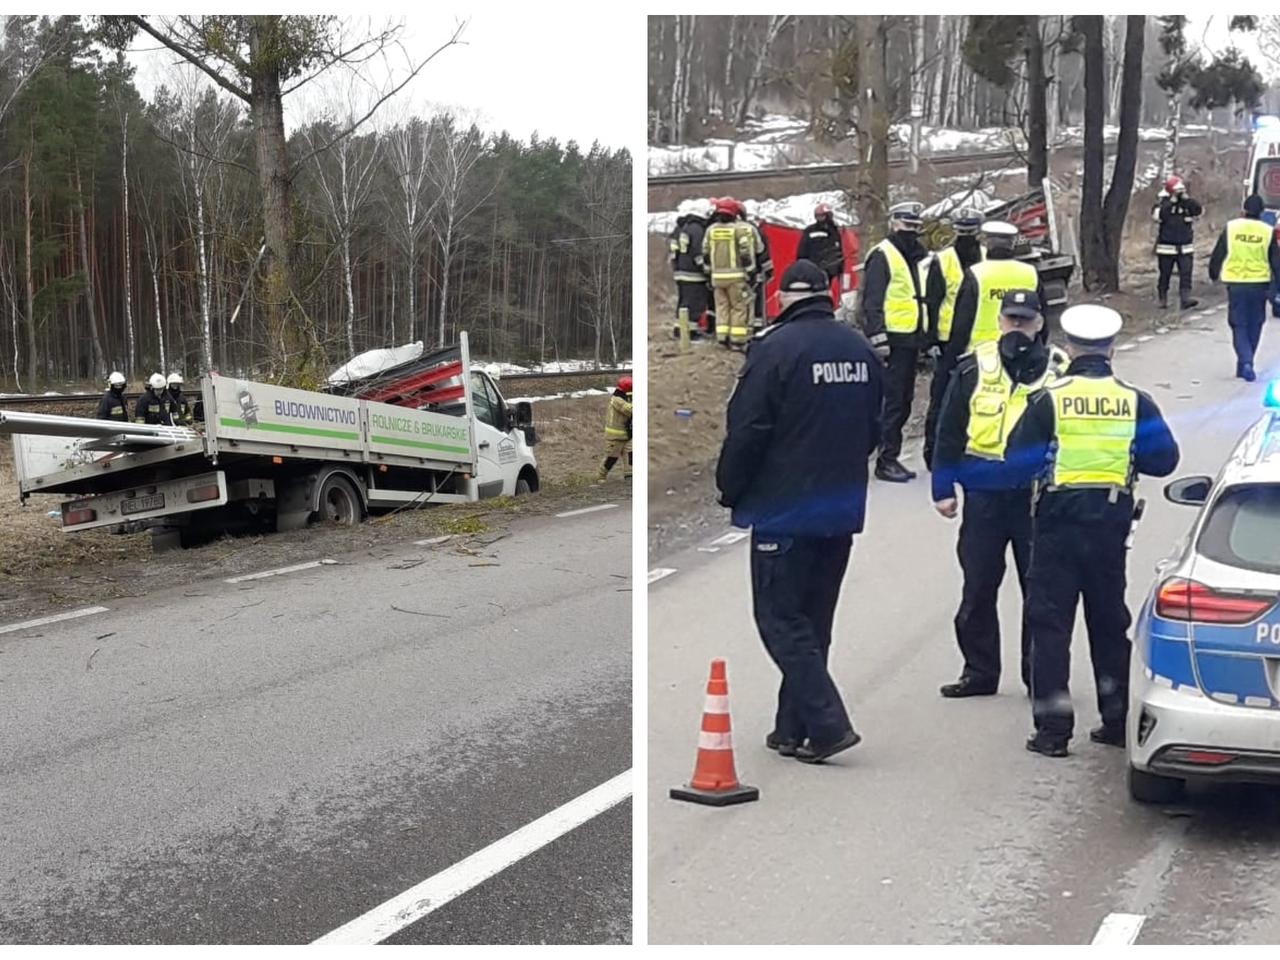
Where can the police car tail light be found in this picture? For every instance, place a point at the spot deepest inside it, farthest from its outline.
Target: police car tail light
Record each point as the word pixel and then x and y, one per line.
pixel 1207 758
pixel 1182 599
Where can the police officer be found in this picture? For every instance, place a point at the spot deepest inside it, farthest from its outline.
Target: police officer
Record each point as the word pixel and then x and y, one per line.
pixel 732 257
pixel 1086 437
pixel 1175 212
pixel 617 430
pixel 177 409
pixel 983 288
pixel 150 408
pixel 821 244
pixel 113 405
pixel 987 394
pixel 1247 260
pixel 685 246
pixel 894 319
pixel 803 422
pixel 946 273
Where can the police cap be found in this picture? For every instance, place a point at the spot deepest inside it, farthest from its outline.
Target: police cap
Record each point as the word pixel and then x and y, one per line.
pixel 1091 324
pixel 966 221
pixel 1021 304
pixel 910 213
pixel 804 276
pixel 999 230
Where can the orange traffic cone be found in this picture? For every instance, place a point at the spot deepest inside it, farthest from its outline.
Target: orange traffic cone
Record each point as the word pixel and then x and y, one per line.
pixel 715 781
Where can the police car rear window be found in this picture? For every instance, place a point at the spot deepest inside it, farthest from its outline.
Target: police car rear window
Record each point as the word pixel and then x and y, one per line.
pixel 1244 528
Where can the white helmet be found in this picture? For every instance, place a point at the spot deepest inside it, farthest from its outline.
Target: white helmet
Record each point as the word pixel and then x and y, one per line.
pixel 687 208
pixel 175 379
pixel 156 381
pixel 703 208
pixel 116 379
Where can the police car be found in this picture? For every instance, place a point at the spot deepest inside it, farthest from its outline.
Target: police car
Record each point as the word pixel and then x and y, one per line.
pixel 1205 674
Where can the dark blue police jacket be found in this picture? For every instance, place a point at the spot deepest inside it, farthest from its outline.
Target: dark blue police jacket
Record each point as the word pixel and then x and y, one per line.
pixel 803 421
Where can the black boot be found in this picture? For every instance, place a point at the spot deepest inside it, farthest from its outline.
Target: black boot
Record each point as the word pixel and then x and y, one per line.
pixel 968 687
pixel 1189 302
pixel 1048 745
pixel 785 748
pixel 812 753
pixel 1163 296
pixel 1247 374
pixel 894 472
pixel 1110 734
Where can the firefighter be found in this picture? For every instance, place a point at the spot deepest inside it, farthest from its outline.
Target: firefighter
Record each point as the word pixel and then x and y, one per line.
pixel 731 257
pixel 1176 214
pixel 177 409
pixel 821 244
pixel 763 273
pixel 983 288
pixel 986 396
pixel 617 430
pixel 685 244
pixel 893 317
pixel 802 423
pixel 945 276
pixel 150 408
pixel 1084 438
pixel 1247 260
pixel 113 405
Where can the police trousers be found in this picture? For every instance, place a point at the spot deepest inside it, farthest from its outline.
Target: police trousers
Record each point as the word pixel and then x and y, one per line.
pixel 1246 313
pixel 937 391
pixel 1070 560
pixel 795 584
pixel 733 312
pixel 1166 262
pixel 899 391
pixel 993 520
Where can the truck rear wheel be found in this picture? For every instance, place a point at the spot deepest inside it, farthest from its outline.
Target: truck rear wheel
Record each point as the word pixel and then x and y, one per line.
pixel 339 503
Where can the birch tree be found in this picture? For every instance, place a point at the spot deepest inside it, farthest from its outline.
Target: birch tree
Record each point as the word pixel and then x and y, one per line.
pixel 449 166
pixel 407 146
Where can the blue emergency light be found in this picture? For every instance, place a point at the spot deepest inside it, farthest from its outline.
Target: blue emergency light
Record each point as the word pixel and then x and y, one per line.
pixel 1271 399
pixel 1264 120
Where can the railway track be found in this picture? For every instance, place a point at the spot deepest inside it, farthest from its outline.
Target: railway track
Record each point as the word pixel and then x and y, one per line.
pixel 820 169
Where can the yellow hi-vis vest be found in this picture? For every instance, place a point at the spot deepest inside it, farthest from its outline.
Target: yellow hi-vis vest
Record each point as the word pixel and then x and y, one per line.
pixel 1095 422
pixel 997 403
pixel 1248 241
pixel 953 274
pixel 903 305
pixel 730 250
pixel 995 278
pixel 617 417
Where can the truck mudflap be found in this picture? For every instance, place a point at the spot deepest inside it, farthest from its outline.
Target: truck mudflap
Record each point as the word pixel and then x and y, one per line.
pixel 145 502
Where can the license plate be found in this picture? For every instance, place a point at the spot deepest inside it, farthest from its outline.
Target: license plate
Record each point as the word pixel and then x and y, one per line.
pixel 142 504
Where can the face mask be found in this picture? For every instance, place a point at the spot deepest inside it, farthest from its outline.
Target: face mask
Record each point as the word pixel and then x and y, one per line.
pixel 1023 356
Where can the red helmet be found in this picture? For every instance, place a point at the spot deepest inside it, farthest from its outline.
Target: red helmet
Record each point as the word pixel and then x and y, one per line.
pixel 821 210
pixel 1173 184
pixel 624 384
pixel 728 206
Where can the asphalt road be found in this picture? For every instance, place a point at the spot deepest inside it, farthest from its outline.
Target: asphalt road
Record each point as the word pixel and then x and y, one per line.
pixel 263 762
pixel 940 826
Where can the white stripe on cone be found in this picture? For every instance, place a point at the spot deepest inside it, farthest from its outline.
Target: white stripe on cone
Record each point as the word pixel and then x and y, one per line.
pixel 717 703
pixel 714 741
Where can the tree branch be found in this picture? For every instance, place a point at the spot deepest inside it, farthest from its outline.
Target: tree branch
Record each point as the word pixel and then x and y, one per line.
pixel 191 57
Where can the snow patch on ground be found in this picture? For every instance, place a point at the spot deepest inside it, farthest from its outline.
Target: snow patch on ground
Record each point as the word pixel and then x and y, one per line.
pixel 556 366
pixel 573 395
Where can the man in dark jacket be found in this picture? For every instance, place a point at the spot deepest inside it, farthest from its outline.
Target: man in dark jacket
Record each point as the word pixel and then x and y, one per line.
pixel 802 423
pixel 685 254
pixel 150 408
pixel 821 244
pixel 1247 260
pixel 1084 439
pixel 113 405
pixel 894 320
pixel 1176 214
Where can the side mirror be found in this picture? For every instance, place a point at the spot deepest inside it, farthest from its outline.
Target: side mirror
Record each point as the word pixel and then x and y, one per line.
pixel 1189 491
pixel 524 413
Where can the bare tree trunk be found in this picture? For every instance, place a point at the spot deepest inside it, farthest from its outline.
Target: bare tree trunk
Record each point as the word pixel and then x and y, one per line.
pixel 1093 241
pixel 726 94
pixel 873 126
pixel 677 75
pixel 774 27
pixel 131 346
pixel 1116 206
pixel 95 341
pixel 917 88
pixel 1037 121
pixel 153 262
pixel 1169 162
pixel 446 257
pixel 32 379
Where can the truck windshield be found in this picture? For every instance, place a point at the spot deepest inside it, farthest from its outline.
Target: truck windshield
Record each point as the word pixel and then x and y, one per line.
pixel 1244 528
pixel 1266 181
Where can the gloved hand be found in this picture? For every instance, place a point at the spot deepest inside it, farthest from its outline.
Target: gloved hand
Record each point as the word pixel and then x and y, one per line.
pixel 934 352
pixel 882 351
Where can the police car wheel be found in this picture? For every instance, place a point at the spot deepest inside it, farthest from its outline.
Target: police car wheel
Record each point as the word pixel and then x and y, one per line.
pixel 1145 787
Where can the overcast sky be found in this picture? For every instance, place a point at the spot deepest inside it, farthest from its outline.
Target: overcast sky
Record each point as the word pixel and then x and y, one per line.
pixel 519 68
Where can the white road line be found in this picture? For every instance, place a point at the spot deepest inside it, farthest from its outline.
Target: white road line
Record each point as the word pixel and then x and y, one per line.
pixel 55 618
pixel 733 536
pixel 434 892
pixel 1119 930
pixel 595 509
pixel 658 573
pixel 275 573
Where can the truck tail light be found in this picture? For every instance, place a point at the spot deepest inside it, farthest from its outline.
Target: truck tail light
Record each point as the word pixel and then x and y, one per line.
pixel 1187 600
pixel 72 518
pixel 207 491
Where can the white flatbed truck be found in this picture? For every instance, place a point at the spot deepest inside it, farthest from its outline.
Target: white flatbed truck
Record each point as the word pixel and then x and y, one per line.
pixel 270 457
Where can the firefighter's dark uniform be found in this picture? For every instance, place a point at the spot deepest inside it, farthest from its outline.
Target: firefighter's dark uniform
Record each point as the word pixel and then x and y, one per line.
pixel 764 271
pixel 1086 437
pixel 1247 260
pixel 980 408
pixel 113 406
pixel 894 277
pixel 802 422
pixel 946 273
pixel 1174 245
pixel 821 244
pixel 685 246
pixel 177 409
pixel 150 409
